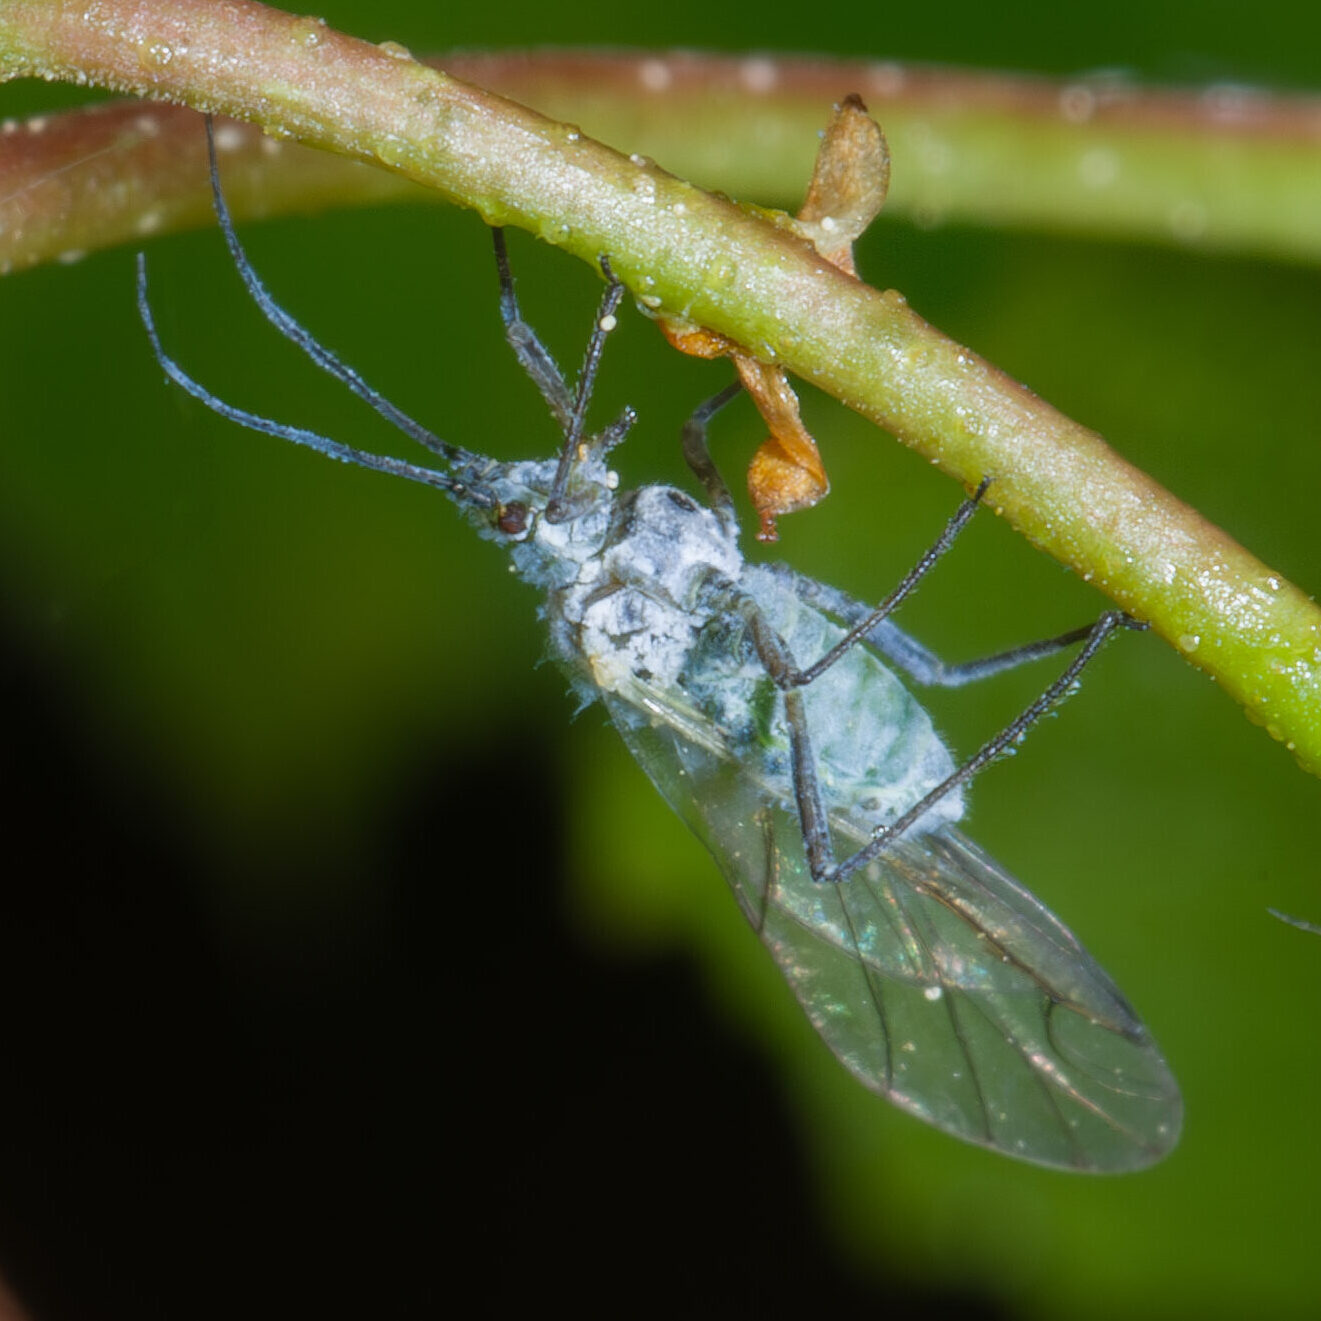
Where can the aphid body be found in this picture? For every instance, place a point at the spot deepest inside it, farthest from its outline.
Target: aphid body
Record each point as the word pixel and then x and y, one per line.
pixel 933 976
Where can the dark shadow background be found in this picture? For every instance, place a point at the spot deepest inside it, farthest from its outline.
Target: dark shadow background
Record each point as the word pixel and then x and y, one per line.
pixel 343 972
pixel 286 1133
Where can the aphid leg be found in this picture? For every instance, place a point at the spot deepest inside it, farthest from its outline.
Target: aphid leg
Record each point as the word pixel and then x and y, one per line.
pixel 920 663
pixel 610 436
pixel 559 507
pixel 807 789
pixel 697 455
pixel 536 360
pixel 926 668
pixel 533 356
pixel 1012 732
pixel 910 580
pixel 874 627
pixel 300 336
pixel 779 665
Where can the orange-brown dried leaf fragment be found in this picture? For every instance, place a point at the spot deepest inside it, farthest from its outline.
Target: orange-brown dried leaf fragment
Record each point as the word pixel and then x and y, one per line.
pixel 848 188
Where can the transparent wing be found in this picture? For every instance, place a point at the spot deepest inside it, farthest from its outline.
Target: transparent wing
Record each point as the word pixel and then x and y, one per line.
pixel 936 979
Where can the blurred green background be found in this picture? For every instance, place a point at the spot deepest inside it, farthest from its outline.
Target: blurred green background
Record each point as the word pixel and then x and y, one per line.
pixel 324 919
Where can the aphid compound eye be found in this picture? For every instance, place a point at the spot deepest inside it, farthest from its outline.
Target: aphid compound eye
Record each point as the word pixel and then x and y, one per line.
pixel 512 519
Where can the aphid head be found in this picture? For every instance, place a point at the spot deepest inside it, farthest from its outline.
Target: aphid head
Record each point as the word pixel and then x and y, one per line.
pixel 508 503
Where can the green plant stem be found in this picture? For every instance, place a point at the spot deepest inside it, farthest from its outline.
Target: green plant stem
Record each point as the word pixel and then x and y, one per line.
pixel 738 271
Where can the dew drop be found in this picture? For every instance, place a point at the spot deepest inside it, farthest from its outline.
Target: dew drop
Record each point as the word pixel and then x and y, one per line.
pixel 555 233
pixel 720 276
pixel 886 79
pixel 1077 103
pixel 229 137
pixel 1188 221
pixel 1098 168
pixel 654 75
pixel 1228 101
pixel 309 31
pixel 758 74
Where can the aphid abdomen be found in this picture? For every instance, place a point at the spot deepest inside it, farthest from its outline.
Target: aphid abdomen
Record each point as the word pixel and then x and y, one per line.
pixel 877 752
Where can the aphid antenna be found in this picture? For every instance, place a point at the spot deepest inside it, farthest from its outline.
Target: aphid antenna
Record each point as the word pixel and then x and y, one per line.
pixel 334 449
pixel 468 492
pixel 299 335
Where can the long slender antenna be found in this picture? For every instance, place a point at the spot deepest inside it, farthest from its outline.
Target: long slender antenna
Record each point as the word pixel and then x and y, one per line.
pixel 298 335
pixel 312 440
